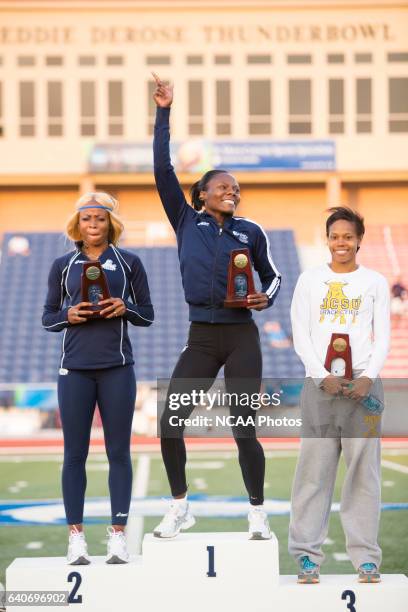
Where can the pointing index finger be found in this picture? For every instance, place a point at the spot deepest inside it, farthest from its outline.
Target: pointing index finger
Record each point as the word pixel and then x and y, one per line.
pixel 157 78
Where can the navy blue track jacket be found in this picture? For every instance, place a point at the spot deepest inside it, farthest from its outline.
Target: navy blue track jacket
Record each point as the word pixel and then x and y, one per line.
pixel 97 343
pixel 204 247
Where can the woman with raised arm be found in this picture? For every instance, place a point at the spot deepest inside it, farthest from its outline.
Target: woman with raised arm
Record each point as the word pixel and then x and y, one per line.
pixel 207 231
pixel 96 364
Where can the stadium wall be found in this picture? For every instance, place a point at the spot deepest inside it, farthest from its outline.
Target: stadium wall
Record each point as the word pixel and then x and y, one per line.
pixel 276 206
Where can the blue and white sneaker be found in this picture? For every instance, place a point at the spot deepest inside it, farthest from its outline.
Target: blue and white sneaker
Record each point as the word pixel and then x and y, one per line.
pixel 309 572
pixel 368 572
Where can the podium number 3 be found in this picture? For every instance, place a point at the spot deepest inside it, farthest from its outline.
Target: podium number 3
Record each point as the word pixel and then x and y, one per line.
pixel 211 573
pixel 77 579
pixel 351 600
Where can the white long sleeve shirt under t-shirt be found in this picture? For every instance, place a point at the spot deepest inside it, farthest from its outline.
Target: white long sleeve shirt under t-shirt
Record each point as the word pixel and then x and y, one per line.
pixel 354 303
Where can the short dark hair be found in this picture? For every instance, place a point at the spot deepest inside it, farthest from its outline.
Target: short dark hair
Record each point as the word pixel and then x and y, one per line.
pixel 201 185
pixel 347 214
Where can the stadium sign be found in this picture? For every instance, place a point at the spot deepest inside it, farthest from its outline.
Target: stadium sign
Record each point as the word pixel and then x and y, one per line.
pixel 285 32
pixel 201 155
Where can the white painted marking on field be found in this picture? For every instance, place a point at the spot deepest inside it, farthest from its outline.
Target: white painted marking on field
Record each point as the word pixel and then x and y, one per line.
pixel 97 467
pixel 399 452
pixel 34 545
pixel 388 483
pixel 52 511
pixel 328 542
pixel 95 457
pixel 397 467
pixel 341 556
pixel 200 484
pixel 17 486
pixel 48 458
pixel 205 465
pixel 134 530
pixel 280 453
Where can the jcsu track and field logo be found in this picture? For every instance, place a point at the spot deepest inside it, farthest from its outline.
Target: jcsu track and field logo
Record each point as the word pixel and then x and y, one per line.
pixel 338 305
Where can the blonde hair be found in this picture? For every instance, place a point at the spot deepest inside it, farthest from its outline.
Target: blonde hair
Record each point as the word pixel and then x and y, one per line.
pixel 109 203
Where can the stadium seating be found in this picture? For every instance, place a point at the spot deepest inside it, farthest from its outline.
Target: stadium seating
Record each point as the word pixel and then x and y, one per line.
pixel 385 249
pixel 29 354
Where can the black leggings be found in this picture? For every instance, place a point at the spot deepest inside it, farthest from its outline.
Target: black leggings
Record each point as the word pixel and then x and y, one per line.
pixel 209 347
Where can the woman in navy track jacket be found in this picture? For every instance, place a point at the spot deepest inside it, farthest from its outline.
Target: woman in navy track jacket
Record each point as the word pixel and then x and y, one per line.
pixel 96 363
pixel 207 232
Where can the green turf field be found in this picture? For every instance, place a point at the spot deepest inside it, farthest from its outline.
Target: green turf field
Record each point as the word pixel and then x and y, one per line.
pixel 38 478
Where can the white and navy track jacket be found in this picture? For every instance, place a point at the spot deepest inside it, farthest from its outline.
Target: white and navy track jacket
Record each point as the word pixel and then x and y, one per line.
pixel 98 343
pixel 204 248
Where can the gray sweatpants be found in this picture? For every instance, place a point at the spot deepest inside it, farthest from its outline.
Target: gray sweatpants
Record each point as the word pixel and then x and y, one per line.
pixel 315 477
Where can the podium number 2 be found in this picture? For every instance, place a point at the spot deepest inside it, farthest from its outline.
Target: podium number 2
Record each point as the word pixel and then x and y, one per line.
pixel 73 597
pixel 351 600
pixel 211 573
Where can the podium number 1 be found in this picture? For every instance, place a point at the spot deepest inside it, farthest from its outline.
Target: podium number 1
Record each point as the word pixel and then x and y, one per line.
pixel 211 573
pixel 351 600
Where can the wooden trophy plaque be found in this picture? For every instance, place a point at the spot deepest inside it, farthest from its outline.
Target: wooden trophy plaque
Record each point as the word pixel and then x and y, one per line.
pixel 94 287
pixel 240 279
pixel 338 357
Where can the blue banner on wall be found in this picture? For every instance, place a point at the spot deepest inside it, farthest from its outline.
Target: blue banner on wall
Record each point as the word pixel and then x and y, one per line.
pixel 201 155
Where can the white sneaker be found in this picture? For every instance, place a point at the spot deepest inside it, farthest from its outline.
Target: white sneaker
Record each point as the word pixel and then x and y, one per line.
pixel 117 549
pixel 77 548
pixel 176 518
pixel 258 524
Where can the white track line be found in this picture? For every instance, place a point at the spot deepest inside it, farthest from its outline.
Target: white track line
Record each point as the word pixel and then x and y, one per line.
pixel 397 467
pixel 193 448
pixel 134 530
pixel 195 454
